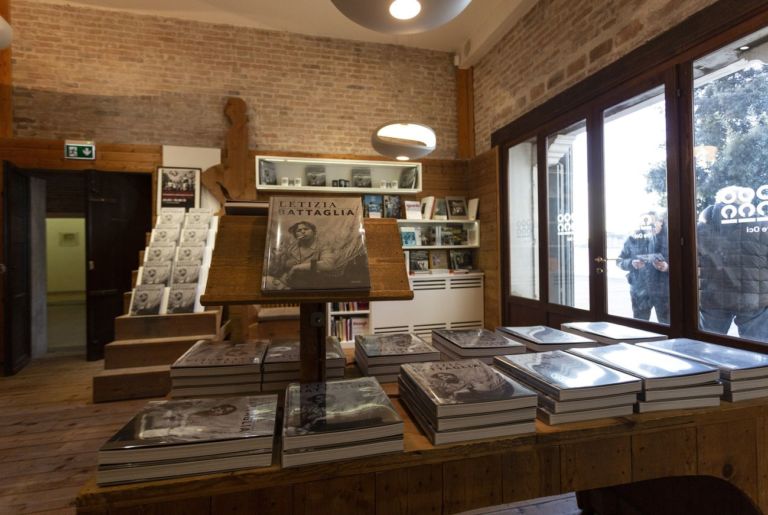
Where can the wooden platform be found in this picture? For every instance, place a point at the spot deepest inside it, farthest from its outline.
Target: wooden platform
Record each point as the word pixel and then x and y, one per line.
pixel 727 443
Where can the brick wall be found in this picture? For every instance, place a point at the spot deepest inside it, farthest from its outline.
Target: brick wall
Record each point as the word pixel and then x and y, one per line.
pixel 123 78
pixel 558 43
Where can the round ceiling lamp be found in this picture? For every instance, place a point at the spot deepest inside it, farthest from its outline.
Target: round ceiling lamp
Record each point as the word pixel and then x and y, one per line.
pixel 401 16
pixel 404 141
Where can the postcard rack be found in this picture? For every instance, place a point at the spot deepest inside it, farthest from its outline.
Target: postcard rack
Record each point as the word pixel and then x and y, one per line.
pixel 234 278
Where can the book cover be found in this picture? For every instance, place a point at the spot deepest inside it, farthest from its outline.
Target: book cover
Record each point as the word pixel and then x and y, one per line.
pixel 656 369
pixel 734 364
pixel 465 382
pixel 169 217
pixel 475 339
pixel 164 233
pixel 361 177
pixel 178 187
pixel 206 353
pixel 185 272
pixel 194 233
pixel 440 211
pixel 457 208
pixel 412 209
pixel 461 259
pixel 372 207
pixel 191 252
pixel 418 261
pixel 181 298
pixel 154 273
pixel 147 299
pixel 315 244
pixel 267 173
pixel 391 206
pixel 192 421
pixel 160 252
pixel 544 335
pixel 315 175
pixel 408 236
pixel 564 376
pixel 195 219
pixel 408 178
pixel 341 411
pixel 376 345
pixel 438 260
pixel 472 205
pixel 281 351
pixel 427 205
pixel 611 331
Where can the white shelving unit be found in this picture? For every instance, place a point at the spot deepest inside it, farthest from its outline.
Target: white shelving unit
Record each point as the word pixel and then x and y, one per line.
pixel 387 177
pixel 346 323
pixel 435 234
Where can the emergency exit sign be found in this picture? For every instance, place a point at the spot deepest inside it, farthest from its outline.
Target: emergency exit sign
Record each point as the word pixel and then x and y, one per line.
pixel 80 150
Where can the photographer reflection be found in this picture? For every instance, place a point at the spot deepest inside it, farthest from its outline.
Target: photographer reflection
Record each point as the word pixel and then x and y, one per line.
pixel 645 259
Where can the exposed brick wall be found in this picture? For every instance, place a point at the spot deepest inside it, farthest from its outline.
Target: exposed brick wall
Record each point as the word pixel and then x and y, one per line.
pixel 558 43
pixel 123 78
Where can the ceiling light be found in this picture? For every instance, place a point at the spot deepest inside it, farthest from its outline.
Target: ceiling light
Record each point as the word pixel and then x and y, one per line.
pixel 6 33
pixel 385 15
pixel 404 141
pixel 405 9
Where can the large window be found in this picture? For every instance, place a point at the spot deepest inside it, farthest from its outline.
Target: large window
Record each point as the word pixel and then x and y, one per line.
pixel 730 121
pixel 523 224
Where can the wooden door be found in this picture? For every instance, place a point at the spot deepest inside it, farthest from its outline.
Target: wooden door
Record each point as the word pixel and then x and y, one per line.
pixel 15 293
pixel 118 217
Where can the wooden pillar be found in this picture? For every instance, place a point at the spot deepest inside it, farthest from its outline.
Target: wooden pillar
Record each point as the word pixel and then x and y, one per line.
pixel 312 335
pixel 6 111
pixel 465 113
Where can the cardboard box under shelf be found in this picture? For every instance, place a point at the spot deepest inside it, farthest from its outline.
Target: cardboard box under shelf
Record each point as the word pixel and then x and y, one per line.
pixel 168 326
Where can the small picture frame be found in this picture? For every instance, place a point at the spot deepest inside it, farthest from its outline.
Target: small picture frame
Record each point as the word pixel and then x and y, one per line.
pixel 178 187
pixel 457 208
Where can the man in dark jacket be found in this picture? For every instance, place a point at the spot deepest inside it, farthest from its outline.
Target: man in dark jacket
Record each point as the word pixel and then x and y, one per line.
pixel 733 274
pixel 644 257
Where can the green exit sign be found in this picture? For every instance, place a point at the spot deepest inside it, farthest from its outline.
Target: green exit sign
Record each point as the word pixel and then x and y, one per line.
pixel 79 150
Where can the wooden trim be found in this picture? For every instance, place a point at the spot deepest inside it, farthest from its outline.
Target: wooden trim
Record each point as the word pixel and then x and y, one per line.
pixel 465 113
pixel 669 48
pixel 6 82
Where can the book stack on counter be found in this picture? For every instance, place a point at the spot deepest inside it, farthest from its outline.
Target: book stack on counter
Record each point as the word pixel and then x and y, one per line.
pixel 456 401
pixel 474 343
pixel 282 363
pixel 669 382
pixel 608 332
pixel 381 355
pixel 191 436
pixel 572 388
pixel 540 338
pixel 218 368
pixel 744 373
pixel 337 420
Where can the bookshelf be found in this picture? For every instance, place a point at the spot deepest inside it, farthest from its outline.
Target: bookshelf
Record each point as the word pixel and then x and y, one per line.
pixel 345 320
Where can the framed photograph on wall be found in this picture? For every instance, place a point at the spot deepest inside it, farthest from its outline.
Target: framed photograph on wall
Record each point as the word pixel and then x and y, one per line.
pixel 178 187
pixel 457 208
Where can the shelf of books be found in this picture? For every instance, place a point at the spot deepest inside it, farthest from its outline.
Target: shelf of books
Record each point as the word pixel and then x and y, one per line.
pixel 306 175
pixel 348 319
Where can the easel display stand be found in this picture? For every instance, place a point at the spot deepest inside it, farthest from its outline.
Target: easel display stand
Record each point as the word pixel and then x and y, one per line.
pixel 235 278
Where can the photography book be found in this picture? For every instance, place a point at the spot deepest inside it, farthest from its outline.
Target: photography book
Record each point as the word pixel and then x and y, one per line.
pixel 185 272
pixel 217 358
pixel 418 261
pixel 608 332
pixel 315 244
pixel 169 216
pixel 267 173
pixel 182 298
pixel 284 354
pixel 147 299
pixel 656 369
pixel 372 206
pixel 591 403
pixel 477 342
pixel 201 219
pixel 194 233
pixel 408 178
pixel 154 273
pixel 315 175
pixel 541 338
pixel 391 206
pixel 451 388
pixel 564 376
pixel 165 233
pixel 338 412
pixel 427 205
pixel 412 209
pixel 361 177
pixel 734 364
pixel 174 429
pixel 191 252
pixel 395 348
pixel 160 252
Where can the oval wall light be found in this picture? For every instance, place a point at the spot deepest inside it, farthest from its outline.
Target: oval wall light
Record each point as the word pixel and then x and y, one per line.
pixel 6 33
pixel 404 141
pixel 401 16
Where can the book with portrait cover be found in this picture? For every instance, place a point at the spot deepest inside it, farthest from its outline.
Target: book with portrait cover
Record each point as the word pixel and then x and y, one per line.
pixel 451 388
pixel 181 298
pixel 216 358
pixel 563 376
pixel 285 355
pixel 147 299
pixel 173 429
pixel 476 341
pixel 160 252
pixel 394 348
pixel 734 364
pixel 338 412
pixel 185 272
pixel 315 244
pixel 154 273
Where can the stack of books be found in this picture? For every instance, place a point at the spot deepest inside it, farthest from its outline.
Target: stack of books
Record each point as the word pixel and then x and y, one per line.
pixel 474 343
pixel 218 368
pixel 193 436
pixel 456 401
pixel 572 388
pixel 744 373
pixel 669 382
pixel 282 363
pixel 540 338
pixel 336 420
pixel 608 332
pixel 381 355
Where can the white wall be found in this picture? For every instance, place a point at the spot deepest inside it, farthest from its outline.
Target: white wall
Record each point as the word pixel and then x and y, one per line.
pixel 65 246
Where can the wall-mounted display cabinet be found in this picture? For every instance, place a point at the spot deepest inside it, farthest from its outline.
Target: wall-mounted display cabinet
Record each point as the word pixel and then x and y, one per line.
pixel 293 174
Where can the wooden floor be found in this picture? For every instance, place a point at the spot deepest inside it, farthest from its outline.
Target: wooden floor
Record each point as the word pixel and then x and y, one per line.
pixel 50 431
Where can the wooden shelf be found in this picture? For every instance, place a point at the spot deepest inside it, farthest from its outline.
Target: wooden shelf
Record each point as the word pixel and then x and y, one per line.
pixel 235 273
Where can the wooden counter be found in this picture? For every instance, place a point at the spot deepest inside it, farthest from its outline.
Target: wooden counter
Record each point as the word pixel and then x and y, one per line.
pixel 728 442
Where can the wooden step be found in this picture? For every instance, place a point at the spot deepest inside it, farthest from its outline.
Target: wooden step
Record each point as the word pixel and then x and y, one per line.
pixel 168 326
pixel 146 352
pixel 131 383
